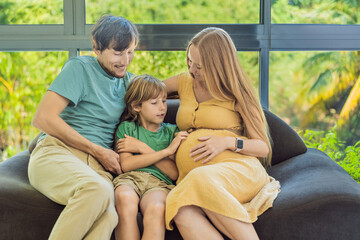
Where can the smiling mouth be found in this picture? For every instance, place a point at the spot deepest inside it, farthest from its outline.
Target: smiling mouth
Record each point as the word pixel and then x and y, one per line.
pixel 120 67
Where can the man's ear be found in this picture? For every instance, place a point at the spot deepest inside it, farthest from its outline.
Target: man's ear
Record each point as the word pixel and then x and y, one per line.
pixel 96 51
pixel 94 47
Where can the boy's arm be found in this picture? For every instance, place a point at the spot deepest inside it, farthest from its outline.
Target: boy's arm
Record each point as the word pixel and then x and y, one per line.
pixel 168 167
pixel 130 162
pixel 132 145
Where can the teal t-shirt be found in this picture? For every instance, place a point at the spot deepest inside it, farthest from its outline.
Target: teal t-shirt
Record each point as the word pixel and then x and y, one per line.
pixel 96 98
pixel 156 140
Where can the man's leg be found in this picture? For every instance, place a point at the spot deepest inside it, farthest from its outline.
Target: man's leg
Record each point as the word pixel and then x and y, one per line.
pixel 57 171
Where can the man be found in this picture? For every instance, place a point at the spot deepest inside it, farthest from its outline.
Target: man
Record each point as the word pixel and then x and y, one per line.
pixel 79 114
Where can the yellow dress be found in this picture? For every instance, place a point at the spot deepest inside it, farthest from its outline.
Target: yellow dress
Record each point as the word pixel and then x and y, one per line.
pixel 231 184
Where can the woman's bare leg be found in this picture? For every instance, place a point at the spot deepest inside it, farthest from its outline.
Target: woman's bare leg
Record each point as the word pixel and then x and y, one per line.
pixel 231 227
pixel 126 203
pixel 193 224
pixel 152 206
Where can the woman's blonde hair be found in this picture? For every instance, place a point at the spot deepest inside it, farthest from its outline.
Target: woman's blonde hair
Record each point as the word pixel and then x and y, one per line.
pixel 141 89
pixel 226 79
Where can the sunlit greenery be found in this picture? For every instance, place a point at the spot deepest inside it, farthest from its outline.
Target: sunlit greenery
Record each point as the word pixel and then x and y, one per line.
pixel 346 156
pixel 309 90
pixel 176 11
pixel 31 12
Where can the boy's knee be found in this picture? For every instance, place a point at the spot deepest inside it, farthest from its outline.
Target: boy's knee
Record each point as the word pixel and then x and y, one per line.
pixel 126 201
pixel 156 208
pixel 125 196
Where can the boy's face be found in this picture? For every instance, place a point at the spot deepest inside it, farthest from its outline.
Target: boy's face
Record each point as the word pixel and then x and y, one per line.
pixel 152 112
pixel 114 62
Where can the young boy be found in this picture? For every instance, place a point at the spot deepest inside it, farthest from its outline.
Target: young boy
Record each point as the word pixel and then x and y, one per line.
pixel 144 148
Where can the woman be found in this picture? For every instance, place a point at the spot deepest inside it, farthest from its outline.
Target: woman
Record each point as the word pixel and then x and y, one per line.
pixel 222 179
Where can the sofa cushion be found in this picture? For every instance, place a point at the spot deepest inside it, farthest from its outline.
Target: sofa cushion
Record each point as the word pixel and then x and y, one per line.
pixel 21 203
pixel 318 200
pixel 33 143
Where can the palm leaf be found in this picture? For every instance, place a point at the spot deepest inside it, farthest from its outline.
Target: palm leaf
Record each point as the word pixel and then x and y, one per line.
pixel 351 103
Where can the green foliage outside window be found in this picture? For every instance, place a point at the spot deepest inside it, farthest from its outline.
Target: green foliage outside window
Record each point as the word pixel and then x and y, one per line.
pixel 346 156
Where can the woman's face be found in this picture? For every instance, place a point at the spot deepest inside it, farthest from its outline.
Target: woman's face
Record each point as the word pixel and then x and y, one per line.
pixel 194 63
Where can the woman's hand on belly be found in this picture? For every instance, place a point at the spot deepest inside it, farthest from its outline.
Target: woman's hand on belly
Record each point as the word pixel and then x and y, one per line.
pixel 211 146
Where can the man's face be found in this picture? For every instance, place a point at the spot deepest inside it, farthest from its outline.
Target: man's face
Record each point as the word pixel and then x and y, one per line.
pixel 114 62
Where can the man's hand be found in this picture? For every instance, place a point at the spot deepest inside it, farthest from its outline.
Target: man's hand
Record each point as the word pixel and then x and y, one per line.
pixel 109 159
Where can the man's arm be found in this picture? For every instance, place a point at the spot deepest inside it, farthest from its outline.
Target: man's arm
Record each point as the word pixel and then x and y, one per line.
pixel 47 119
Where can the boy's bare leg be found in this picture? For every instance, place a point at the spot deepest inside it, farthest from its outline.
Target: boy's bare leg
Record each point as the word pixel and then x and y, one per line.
pixel 231 227
pixel 193 224
pixel 152 206
pixel 126 203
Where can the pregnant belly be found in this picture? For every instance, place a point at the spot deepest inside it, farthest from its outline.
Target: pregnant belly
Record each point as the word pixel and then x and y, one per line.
pixel 185 163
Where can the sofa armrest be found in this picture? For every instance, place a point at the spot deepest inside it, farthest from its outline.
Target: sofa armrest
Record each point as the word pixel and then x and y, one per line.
pixel 286 142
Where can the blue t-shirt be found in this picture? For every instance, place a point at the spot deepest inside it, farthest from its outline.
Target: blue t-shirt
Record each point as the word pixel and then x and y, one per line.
pixel 156 140
pixel 96 98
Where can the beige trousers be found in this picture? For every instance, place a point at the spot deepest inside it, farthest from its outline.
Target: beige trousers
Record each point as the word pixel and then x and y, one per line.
pixel 74 178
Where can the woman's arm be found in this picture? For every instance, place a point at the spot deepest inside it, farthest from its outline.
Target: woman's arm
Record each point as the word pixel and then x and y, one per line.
pixel 47 119
pixel 254 146
pixel 172 84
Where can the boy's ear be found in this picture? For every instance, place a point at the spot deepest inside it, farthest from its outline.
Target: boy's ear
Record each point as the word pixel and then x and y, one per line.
pixel 136 107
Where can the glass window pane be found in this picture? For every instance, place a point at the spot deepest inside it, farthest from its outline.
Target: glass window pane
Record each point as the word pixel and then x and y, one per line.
pixel 315 11
pixel 317 91
pixel 165 64
pixel 176 11
pixel 24 78
pixel 31 12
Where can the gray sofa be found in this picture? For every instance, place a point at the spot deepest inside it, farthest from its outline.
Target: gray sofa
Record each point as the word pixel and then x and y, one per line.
pixel 318 199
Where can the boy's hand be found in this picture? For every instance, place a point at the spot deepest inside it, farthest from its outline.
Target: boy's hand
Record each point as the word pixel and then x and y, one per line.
pixel 180 136
pixel 129 144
